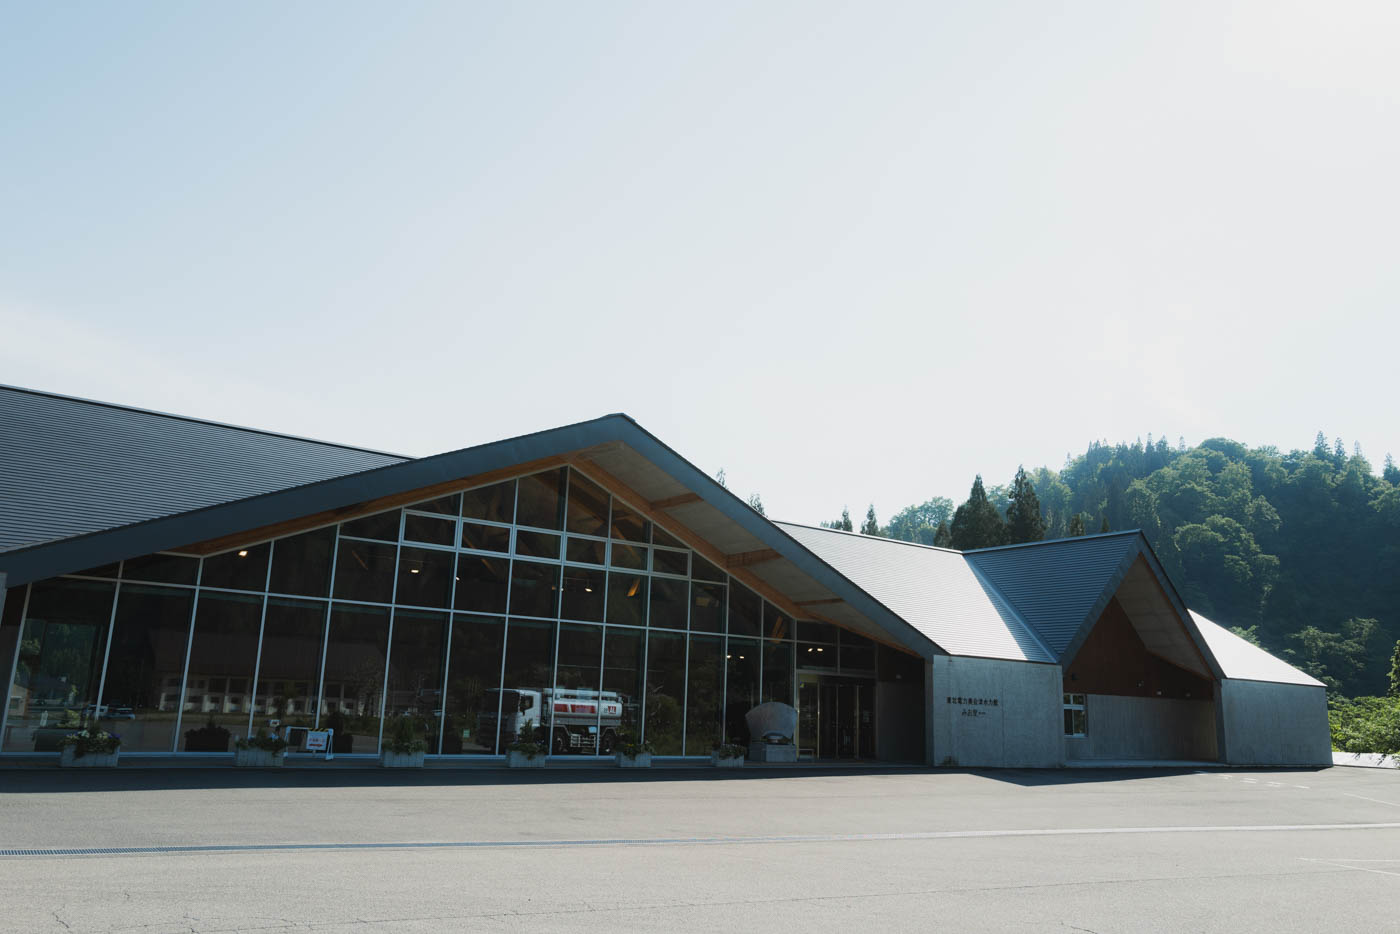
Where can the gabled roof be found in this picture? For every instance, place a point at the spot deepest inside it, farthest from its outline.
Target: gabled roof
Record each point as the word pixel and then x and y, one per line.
pixel 935 590
pixel 71 466
pixel 1244 661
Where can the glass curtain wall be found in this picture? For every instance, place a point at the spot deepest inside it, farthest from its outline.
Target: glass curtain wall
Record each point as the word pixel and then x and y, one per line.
pixel 541 601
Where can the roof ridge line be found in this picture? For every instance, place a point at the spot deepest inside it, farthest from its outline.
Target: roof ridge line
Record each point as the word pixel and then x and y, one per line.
pixel 201 421
pixel 875 538
pixel 1052 541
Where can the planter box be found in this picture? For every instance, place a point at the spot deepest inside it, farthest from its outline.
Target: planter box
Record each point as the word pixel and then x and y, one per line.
pixel 639 761
pixel 258 759
pixel 401 760
pixel 518 760
pixel 719 763
pixel 772 752
pixel 68 760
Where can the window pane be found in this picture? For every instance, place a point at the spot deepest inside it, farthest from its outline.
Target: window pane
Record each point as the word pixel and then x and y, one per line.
pixel 665 700
pixel 586 551
pixel 583 594
pixel 482 583
pixel 540 501
pixel 628 525
pixel 811 655
pixel 700 569
pixel 383 526
pixel 60 661
pixel 776 625
pixel 430 530
pixel 627 599
pixel 415 672
pixel 447 505
pixel 485 537
pixel 144 666
pixel 353 685
pixel 741 693
pixel 529 663
pixel 623 684
pixel 857 652
pixel 629 556
pixel 223 655
pixel 588 506
pixel 301 564
pixel 289 672
pixel 707 607
pixel 107 570
pixel 668 603
pixel 365 571
pixel 660 536
pixel 473 685
pixel 573 708
pixel 534 591
pixel 777 672
pixel 162 569
pixel 425 577
pixel 240 569
pixel 492 503
pixel 704 701
pixel 536 544
pixel 809 631
pixel 745 611
pixel 670 562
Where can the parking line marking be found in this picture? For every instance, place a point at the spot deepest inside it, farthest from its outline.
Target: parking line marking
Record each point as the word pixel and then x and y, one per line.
pixel 1377 800
pixel 1343 865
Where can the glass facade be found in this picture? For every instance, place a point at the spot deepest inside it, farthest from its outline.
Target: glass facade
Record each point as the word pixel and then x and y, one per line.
pixel 542 602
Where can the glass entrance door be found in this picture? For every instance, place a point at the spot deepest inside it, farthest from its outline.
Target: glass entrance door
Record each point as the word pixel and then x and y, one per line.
pixel 835 718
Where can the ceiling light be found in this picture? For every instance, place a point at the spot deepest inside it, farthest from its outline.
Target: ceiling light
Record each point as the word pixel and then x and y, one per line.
pixel 243 553
pixel 587 589
pixel 413 570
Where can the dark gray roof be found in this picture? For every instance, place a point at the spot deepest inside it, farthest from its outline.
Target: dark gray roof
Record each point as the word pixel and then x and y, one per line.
pixel 1059 586
pixel 71 466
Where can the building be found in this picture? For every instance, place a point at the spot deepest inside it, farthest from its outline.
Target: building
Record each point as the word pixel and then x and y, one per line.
pixel 189 582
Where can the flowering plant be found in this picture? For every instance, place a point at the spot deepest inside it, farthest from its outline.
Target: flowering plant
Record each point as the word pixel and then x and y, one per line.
pixel 261 740
pixel 404 739
pixel 627 745
pixel 94 741
pixel 730 751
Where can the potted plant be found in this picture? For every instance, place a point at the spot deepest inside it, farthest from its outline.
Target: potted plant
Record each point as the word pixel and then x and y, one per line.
pixel 260 751
pixel 632 754
pixel 728 756
pixel 403 749
pixel 209 738
pixel 526 752
pixel 91 748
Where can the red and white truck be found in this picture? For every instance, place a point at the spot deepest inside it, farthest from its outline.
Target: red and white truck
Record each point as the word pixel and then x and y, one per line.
pixel 576 720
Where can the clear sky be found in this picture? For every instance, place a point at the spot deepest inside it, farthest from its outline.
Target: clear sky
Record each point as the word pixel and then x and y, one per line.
pixel 846 252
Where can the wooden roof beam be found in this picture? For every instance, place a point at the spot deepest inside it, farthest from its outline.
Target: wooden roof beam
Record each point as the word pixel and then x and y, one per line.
pixel 746 559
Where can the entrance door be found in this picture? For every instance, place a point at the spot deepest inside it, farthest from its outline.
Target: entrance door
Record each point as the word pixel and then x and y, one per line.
pixel 835 718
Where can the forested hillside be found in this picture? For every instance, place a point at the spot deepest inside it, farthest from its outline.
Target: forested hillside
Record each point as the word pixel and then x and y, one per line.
pixel 1301 550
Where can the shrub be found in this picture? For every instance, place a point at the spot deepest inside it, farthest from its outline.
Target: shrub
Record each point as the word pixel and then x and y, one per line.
pixel 261 740
pixel 527 743
pixel 94 741
pixel 628 746
pixel 1365 724
pixel 403 739
pixel 730 751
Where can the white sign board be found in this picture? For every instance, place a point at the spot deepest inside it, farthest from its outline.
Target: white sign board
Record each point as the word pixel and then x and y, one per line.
pixel 317 740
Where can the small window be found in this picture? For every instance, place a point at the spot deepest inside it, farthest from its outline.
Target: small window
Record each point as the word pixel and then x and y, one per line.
pixel 1074 715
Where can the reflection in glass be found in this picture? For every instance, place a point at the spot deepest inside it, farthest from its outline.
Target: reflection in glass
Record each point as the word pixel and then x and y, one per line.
pixel 240 569
pixel 144 666
pixel 660 536
pixel 623 659
pixel 574 708
pixel 429 529
pixel 707 607
pixel 415 672
pixel 670 562
pixel 384 526
pixel 665 700
pixel 534 589
pixel 777 672
pixel 492 503
pixel 485 537
pixel 223 655
pixel 628 525
pixel 745 610
pixel 529 663
pixel 627 599
pixel 700 569
pixel 629 556
pixel 482 583
pixel 353 684
pixel 586 550
pixel 540 502
pixel 162 569
pixel 588 506
pixel 425 577
pixel 446 505
pixel 365 571
pixel 60 662
pixel 668 603
pixel 473 682
pixel 301 564
pixel 704 695
pixel 289 670
pixel 536 544
pixel 776 625
pixel 741 692
pixel 583 594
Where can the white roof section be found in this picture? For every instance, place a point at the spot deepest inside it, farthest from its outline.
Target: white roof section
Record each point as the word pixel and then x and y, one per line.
pixel 935 590
pixel 1243 661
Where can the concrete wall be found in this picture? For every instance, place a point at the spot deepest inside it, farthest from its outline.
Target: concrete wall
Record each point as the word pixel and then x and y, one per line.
pixel 1274 724
pixel 899 727
pixel 1145 728
pixel 984 712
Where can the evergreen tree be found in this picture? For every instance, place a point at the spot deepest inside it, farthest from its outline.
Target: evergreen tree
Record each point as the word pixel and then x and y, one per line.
pixel 844 523
pixel 1076 525
pixel 756 503
pixel 943 538
pixel 870 526
pixel 720 479
pixel 1023 521
pixel 1391 472
pixel 1395 671
pixel 977 524
pixel 1104 528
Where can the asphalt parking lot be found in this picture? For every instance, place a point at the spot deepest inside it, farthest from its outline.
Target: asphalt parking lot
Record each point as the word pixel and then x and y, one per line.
pixel 699 850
